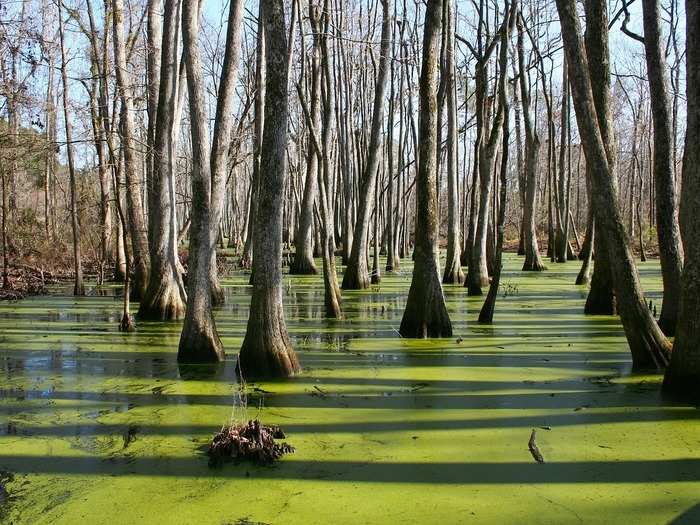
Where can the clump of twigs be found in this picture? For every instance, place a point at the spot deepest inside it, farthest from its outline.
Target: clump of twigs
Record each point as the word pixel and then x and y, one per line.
pixel 250 441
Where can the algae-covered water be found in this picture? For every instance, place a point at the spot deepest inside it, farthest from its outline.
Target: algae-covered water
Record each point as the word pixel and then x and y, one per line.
pixel 97 426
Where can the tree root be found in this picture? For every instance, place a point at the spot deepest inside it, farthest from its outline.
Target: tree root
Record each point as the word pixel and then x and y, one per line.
pixel 250 441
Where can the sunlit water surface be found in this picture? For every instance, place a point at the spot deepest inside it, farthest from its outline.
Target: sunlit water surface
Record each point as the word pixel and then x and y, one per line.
pixel 97 426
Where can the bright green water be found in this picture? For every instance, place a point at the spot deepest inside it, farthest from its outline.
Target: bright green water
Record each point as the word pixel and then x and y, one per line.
pixel 102 427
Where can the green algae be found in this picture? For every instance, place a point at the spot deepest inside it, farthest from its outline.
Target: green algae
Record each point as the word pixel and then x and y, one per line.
pixel 104 427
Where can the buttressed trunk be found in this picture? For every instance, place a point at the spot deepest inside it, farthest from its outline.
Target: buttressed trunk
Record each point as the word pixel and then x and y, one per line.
pixel 426 314
pixel 199 341
pixel 165 297
pixel 683 373
pixel 267 350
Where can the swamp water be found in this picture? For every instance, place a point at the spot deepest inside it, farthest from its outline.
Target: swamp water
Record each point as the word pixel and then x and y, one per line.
pixel 97 426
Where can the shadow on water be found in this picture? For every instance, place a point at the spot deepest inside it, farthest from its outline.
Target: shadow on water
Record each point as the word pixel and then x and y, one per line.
pixel 371 411
pixel 361 471
pixel 689 517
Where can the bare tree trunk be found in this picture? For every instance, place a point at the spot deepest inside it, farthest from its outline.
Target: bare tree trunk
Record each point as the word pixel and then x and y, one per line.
pixel 267 350
pixel 356 274
pixel 199 341
pixel 127 322
pixel 649 347
pixel 165 297
pixel 50 161
pixel 154 36
pixel 321 147
pixel 303 256
pixel 139 240
pixel 223 128
pixel 486 313
pixel 484 159
pixel 79 287
pixel 683 374
pixel 426 314
pixel 601 296
pixel 563 247
pixel 453 268
pixel 670 248
pixel 392 260
pixel 258 129
pixel 586 255
pixel 5 248
pixel 533 261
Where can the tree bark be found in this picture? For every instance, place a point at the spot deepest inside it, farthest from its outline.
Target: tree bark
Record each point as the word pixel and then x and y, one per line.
pixel 533 261
pixel 601 296
pixel 426 314
pixel 453 268
pixel 199 341
pixel 670 248
pixel 487 309
pixel 267 350
pixel 303 257
pixel 586 255
pixel 356 273
pixel 139 240
pixel 165 297
pixel 258 128
pixel 683 374
pixel 79 286
pixel 648 345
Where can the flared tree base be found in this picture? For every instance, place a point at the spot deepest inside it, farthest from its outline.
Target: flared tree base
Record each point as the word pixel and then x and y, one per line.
pixel 453 275
pixel 475 284
pixel 303 266
pixel 534 264
pixel 392 264
pixel 651 356
pixel 200 343
pixel 164 304
pixel 355 278
pixel 583 278
pixel 425 314
pixel 267 355
pixel 600 303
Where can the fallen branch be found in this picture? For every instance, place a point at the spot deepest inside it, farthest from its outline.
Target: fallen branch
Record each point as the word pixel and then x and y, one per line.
pixel 534 449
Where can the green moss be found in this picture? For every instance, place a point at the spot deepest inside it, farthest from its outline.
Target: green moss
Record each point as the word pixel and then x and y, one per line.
pixel 103 427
